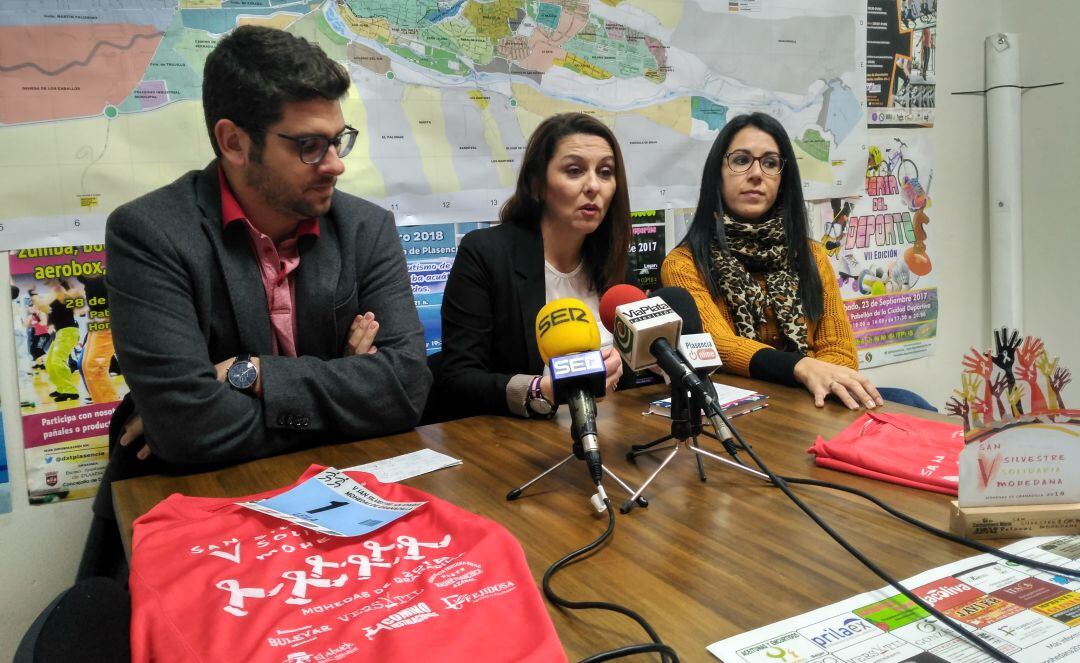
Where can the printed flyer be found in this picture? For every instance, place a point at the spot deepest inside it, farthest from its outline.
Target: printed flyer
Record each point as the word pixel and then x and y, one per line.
pixel 901 43
pixel 69 381
pixel 1020 435
pixel 1026 614
pixel 878 246
pixel 647 248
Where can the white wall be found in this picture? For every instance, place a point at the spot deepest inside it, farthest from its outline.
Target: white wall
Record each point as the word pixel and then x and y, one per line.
pixel 40 546
pixel 1051 144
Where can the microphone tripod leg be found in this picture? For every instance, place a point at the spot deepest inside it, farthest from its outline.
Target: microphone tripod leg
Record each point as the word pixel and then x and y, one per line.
pixel 638 449
pixel 628 505
pixel 641 501
pixel 732 464
pixel 697 457
pixel 516 492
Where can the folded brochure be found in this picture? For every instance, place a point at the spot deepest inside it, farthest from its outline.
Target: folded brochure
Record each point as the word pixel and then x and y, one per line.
pixel 733 400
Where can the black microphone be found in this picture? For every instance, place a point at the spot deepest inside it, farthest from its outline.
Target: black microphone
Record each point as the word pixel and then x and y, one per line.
pixel 682 303
pixel 701 389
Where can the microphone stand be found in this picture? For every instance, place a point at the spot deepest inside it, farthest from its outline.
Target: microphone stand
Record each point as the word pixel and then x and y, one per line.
pixel 597 500
pixel 686 427
pixel 685 424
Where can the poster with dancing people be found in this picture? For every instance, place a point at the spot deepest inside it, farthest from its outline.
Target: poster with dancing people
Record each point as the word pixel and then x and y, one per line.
pixel 881 251
pixel 69 380
pixel 901 67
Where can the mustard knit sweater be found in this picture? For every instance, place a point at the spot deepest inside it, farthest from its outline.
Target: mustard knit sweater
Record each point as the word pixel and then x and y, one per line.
pixel 829 339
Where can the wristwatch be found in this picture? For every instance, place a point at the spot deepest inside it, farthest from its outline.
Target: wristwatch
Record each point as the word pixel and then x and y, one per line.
pixel 535 402
pixel 242 374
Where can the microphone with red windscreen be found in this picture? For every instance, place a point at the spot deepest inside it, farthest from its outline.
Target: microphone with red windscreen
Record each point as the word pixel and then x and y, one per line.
pixel 616 296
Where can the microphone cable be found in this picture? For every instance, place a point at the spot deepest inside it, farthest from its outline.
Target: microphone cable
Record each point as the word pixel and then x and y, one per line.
pixel 944 534
pixel 666 652
pixel 781 483
pixel 930 529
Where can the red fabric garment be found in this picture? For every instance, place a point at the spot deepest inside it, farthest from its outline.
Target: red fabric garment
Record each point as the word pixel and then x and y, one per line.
pixel 215 581
pixel 898 448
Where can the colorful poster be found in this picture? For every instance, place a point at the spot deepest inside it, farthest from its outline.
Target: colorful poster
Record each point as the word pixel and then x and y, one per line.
pixel 901 67
pixel 1026 614
pixel 879 250
pixel 647 248
pixel 1019 433
pixel 5 477
pixel 429 255
pixel 69 381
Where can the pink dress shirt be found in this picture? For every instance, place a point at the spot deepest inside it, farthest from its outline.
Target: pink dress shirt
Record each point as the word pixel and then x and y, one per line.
pixel 276 266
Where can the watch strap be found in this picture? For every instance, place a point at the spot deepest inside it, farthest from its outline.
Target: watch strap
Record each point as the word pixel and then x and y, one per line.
pixel 534 388
pixel 536 396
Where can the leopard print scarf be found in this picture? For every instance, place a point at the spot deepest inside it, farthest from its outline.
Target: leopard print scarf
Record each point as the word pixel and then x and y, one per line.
pixel 759 247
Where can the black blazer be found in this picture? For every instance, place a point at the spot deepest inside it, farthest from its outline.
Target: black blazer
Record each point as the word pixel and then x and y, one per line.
pixel 493 293
pixel 186 292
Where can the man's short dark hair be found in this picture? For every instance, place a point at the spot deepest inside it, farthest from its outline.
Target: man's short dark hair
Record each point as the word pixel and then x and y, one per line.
pixel 255 71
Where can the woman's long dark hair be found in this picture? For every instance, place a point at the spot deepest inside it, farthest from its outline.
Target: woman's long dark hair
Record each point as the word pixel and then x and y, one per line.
pixel 605 249
pixel 708 220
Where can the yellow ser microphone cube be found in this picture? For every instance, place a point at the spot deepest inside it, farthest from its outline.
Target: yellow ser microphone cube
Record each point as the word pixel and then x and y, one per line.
pixel 566 326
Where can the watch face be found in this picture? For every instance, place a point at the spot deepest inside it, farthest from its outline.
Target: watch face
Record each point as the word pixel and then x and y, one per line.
pixel 539 406
pixel 242 375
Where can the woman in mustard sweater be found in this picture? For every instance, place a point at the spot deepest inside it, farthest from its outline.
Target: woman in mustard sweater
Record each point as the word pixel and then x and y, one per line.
pixel 766 292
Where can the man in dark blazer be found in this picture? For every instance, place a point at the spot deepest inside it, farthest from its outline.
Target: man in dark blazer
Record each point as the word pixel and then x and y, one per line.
pixel 255 309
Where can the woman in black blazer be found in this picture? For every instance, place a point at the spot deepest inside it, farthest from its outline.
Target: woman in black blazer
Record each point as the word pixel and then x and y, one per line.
pixel 563 233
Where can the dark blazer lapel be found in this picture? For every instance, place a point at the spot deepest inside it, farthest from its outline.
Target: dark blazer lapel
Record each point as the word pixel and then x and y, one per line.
pixel 528 252
pixel 315 285
pixel 239 267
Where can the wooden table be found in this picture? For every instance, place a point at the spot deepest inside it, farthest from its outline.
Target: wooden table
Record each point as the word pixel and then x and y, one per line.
pixel 703 562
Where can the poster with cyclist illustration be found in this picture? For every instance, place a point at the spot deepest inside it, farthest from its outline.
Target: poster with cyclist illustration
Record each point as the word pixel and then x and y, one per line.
pixel 881 252
pixel 901 44
pixel 69 380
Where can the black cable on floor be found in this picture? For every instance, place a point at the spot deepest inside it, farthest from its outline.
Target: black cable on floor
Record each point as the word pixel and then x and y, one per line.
pixel 668 654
